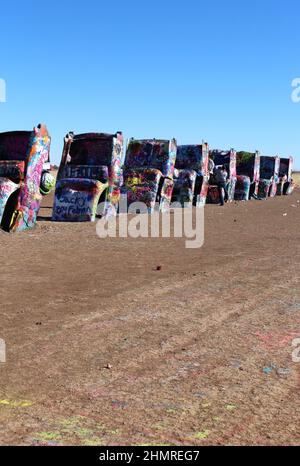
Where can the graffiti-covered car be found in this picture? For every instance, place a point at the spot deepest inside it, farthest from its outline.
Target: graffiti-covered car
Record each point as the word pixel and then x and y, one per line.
pixel 191 175
pixel 22 158
pixel 228 160
pixel 247 175
pixel 148 173
pixel 90 172
pixel 285 185
pixel 269 176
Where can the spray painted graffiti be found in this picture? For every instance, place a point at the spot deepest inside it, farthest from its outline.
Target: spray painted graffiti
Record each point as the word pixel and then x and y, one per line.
pixel 247 169
pixel 227 159
pixel 286 184
pixel 184 186
pixel 22 157
pixel 269 176
pixel 148 172
pixel 77 201
pixel 242 188
pixel 191 175
pixel 90 169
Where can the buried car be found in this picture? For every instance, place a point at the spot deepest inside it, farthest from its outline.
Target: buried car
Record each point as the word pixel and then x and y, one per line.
pixel 269 176
pixel 286 184
pixel 191 175
pixel 247 175
pixel 148 173
pixel 22 158
pixel 90 172
pixel 228 160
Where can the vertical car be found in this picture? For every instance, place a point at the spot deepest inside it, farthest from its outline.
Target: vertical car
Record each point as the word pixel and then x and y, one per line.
pixel 90 172
pixel 22 158
pixel 286 184
pixel 247 175
pixel 227 159
pixel 191 175
pixel 269 176
pixel 148 173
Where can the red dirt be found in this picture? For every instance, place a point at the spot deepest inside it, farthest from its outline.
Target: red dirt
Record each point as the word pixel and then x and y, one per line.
pixel 141 341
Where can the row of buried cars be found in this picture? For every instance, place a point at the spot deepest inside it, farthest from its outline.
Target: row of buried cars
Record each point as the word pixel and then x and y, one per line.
pixel 96 170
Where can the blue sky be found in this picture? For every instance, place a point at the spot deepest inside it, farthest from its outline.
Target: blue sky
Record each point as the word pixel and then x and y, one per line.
pixel 214 70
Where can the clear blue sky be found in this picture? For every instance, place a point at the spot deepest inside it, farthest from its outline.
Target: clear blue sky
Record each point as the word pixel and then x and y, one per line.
pixel 214 70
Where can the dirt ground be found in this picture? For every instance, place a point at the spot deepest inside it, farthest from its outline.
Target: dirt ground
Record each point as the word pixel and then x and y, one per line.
pixel 104 349
pixel 296 178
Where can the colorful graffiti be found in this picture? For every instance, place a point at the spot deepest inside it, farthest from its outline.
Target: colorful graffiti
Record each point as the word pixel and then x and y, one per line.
pixel 142 186
pixel 248 164
pixel 264 188
pixel 285 185
pixel 184 186
pixel 191 175
pixel 76 200
pixel 269 176
pixel 242 188
pixel 90 171
pixel 248 175
pixel 227 159
pixel 154 172
pixel 22 156
pixel 148 172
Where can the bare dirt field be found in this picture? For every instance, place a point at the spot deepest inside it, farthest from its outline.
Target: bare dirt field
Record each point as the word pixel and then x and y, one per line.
pixel 296 177
pixel 104 349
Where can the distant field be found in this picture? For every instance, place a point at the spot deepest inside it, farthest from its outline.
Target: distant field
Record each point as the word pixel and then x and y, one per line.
pixel 296 177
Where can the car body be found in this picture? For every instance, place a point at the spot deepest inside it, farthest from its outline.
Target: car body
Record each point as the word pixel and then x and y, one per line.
pixel 90 172
pixel 22 158
pixel 269 176
pixel 191 175
pixel 247 175
pixel 148 173
pixel 286 184
pixel 227 159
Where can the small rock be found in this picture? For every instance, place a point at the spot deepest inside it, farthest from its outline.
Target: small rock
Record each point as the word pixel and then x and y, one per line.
pixel 108 366
pixel 236 364
pixel 283 371
pixel 158 267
